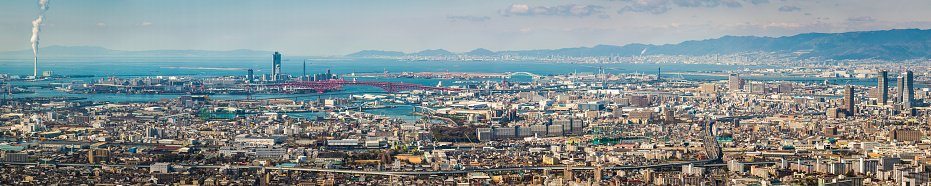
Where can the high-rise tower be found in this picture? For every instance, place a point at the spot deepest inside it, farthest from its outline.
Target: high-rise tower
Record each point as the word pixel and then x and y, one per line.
pixel 906 87
pixel 659 73
pixel 882 91
pixel 733 82
pixel 848 100
pixel 276 66
pixel 249 77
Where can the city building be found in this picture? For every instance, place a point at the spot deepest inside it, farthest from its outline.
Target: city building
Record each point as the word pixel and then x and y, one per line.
pixel 849 101
pixel 324 76
pixel 276 66
pixel 15 157
pixel 160 167
pixel 639 101
pixel 708 88
pixel 733 82
pixel 882 92
pixel 904 135
pixel 96 156
pixel 249 77
pixel 906 87
pixel 830 132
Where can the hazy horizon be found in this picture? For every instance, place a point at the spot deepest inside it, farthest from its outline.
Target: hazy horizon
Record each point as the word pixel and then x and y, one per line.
pixel 340 28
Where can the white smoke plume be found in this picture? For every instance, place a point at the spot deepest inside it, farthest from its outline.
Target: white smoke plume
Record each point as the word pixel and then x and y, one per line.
pixel 36 26
pixel 644 50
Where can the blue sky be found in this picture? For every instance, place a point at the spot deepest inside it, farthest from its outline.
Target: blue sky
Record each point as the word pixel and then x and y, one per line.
pixel 343 27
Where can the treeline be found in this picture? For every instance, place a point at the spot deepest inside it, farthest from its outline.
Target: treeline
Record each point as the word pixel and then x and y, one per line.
pixel 454 134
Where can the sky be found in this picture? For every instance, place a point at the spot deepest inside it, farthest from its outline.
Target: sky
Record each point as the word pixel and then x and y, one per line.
pixel 326 28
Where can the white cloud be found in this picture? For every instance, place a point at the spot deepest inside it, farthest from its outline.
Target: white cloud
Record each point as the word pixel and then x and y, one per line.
pixel 864 18
pixel 651 6
pixel 561 10
pixel 788 8
pixel 101 24
pixel 759 2
pixel 468 18
pixel 663 6
pixel 145 23
pixel 517 9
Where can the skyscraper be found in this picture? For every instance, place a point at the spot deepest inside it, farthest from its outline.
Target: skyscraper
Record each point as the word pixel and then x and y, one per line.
pixel 659 73
pixel 733 82
pixel 276 66
pixel 249 77
pixel 907 87
pixel 882 92
pixel 848 100
pixel 899 87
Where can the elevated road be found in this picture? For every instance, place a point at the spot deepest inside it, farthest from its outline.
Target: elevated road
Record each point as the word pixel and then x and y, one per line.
pixel 712 149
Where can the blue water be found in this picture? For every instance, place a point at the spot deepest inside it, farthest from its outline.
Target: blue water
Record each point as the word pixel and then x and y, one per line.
pixel 152 66
pixel 131 67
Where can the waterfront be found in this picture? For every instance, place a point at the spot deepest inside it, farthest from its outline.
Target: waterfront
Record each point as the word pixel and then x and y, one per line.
pixel 202 67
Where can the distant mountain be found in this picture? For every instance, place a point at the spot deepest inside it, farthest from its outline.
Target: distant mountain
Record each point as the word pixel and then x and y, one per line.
pixel 381 53
pixel 437 52
pixel 599 50
pixel 371 53
pixel 898 44
pixel 480 52
pixel 55 51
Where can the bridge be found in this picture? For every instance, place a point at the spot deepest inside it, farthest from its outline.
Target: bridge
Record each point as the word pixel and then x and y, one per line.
pixel 523 74
pixel 321 86
pixel 376 100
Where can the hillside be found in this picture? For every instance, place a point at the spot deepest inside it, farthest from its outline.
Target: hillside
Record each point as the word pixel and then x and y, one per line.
pixel 899 44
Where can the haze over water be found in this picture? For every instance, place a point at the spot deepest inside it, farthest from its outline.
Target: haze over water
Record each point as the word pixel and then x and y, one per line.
pixel 153 66
pixel 133 67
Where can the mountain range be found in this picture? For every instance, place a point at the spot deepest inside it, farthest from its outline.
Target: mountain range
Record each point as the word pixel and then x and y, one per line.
pixel 898 44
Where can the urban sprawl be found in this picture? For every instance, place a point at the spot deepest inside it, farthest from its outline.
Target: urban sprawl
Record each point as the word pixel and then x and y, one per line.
pixel 584 128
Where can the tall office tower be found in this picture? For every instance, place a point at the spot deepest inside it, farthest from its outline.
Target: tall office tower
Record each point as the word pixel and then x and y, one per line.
pixel 249 77
pixel 659 73
pixel 733 82
pixel 907 88
pixel 276 66
pixel 899 87
pixel 848 100
pixel 882 91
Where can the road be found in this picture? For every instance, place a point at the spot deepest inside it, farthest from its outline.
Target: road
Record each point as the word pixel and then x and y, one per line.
pixel 712 149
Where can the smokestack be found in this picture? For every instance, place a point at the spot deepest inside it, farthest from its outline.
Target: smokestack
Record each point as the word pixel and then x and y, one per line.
pixel 36 28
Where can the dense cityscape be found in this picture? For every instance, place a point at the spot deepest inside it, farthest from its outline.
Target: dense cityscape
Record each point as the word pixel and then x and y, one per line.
pixel 584 128
pixel 466 93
